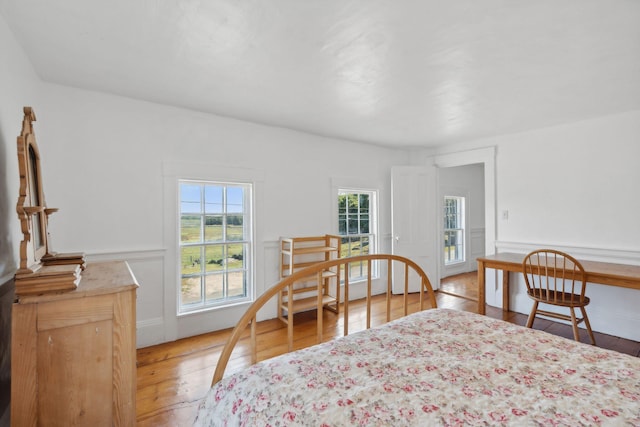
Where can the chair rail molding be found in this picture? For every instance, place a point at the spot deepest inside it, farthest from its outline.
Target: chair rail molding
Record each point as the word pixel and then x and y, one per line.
pixel 147 266
pixel 126 255
pixel 621 256
pixel 613 310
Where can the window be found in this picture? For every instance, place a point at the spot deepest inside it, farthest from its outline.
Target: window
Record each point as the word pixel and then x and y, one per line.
pixel 215 244
pixel 357 226
pixel 453 230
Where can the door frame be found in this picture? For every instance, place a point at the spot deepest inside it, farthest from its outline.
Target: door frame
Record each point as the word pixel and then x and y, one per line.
pixel 486 156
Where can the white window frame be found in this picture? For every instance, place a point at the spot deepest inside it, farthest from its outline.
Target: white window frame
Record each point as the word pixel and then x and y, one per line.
pixel 202 270
pixel 174 324
pixel 373 234
pixel 460 229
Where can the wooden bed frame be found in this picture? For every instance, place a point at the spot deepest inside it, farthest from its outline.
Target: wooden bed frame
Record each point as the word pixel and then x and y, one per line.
pixel 428 367
pixel 411 270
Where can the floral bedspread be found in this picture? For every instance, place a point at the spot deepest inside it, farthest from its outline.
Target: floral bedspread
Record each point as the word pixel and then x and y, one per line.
pixel 436 367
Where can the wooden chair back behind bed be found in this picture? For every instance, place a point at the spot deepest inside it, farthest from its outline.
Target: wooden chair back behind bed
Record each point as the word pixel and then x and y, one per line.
pixel 411 271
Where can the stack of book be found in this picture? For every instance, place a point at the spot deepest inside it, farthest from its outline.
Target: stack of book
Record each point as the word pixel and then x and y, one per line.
pixel 48 278
pixel 64 259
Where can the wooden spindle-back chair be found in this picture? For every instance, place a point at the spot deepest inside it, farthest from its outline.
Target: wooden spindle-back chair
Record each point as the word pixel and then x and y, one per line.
pixel 556 278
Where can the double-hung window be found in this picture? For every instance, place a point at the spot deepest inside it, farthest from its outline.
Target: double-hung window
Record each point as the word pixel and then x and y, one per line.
pixel 454 245
pixel 215 244
pixel 357 227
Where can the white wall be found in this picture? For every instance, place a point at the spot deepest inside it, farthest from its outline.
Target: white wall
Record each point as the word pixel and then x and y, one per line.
pixel 19 86
pixel 105 163
pixel 583 179
pixel 104 160
pixel 573 187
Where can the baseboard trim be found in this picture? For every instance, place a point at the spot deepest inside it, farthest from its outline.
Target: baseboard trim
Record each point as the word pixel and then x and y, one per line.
pixel 149 332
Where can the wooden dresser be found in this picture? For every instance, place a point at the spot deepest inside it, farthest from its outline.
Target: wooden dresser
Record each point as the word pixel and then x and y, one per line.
pixel 73 355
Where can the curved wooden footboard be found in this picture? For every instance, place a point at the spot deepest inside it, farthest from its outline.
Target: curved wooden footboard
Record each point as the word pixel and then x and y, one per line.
pixel 393 261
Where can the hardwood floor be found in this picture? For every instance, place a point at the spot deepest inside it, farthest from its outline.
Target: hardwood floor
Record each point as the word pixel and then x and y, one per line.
pixel 173 377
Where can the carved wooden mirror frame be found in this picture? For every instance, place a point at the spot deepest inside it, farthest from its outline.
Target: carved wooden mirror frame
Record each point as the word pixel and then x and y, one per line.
pixel 41 270
pixel 31 208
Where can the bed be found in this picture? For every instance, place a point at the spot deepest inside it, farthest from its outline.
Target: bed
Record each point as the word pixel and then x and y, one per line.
pixel 433 367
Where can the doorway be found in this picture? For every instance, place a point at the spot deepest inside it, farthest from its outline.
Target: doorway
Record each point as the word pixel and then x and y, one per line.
pixel 462 223
pixel 469 174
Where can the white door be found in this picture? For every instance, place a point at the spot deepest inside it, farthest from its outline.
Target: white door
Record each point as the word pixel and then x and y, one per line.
pixel 413 222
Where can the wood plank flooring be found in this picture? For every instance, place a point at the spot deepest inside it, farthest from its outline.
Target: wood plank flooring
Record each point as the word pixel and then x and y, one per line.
pixel 173 377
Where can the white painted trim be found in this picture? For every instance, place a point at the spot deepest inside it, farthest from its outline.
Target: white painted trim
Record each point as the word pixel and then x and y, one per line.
pixel 179 326
pixel 612 309
pixel 357 184
pixel 462 158
pixel 580 252
pixel 150 332
pixel 150 322
pixel 128 255
pixel 461 266
pixel 271 262
pixel 486 156
pixel 477 250
pixel 125 255
pixel 205 171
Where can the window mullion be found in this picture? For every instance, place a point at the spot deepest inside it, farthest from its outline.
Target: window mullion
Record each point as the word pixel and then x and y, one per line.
pixel 354 219
pixel 220 245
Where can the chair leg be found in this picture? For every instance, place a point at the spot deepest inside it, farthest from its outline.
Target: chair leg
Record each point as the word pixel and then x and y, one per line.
pixel 532 315
pixel 574 324
pixel 588 325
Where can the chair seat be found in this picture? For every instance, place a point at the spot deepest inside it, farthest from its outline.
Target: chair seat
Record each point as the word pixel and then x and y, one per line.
pixel 564 299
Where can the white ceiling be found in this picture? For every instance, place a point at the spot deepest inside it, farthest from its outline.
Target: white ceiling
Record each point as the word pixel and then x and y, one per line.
pixel 394 72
